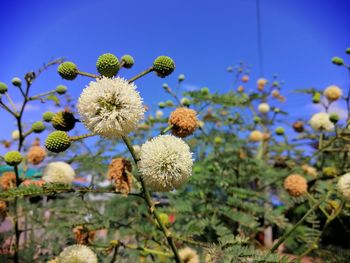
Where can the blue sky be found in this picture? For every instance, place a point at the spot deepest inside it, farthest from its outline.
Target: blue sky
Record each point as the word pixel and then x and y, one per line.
pixel 203 37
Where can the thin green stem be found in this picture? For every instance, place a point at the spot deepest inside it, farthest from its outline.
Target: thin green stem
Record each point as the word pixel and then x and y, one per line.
pixel 150 204
pixel 11 102
pixel 41 95
pixel 141 74
pixel 166 129
pixel 86 74
pixel 76 138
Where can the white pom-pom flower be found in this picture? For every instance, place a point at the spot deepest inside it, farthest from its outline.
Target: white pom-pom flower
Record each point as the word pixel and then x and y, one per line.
pixel 320 121
pixel 166 163
pixel 188 255
pixel 58 172
pixel 344 186
pixel 15 135
pixel 110 107
pixel 264 107
pixel 77 254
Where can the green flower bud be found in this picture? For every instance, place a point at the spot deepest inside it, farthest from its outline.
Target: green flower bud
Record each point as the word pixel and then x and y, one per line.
pixel 128 61
pixel 16 82
pixel 217 140
pixel 256 119
pixel 181 77
pixel 229 69
pixel 161 105
pixel 165 86
pixel 316 98
pixel 347 50
pixel 57 141
pixel 186 102
pixel 337 61
pixel 334 117
pixel 13 158
pixel 330 171
pixel 163 66
pixel 275 84
pixel 205 91
pixel 164 218
pixel 61 89
pixel 107 65
pixel 279 130
pixel 63 121
pixel 38 127
pixel 277 110
pixel 47 116
pixel 68 70
pixel 3 87
pixel 169 103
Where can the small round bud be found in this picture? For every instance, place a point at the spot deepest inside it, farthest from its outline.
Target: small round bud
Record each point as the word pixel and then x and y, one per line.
pixel 298 126
pixel 186 102
pixel 316 98
pixel 205 91
pixel 264 107
pixel 128 61
pixel 334 117
pixel 181 77
pixel 256 119
pixel 245 78
pixel 16 82
pixel 13 158
pixel 47 116
pixel 161 105
pixel 169 103
pixel 240 89
pixel 61 89
pixel 275 93
pixel 38 127
pixel 68 70
pixel 261 83
pixel 107 65
pixel 279 130
pixel 256 136
pixel 347 51
pixel 163 66
pixel 3 88
pixel 57 141
pixel 15 135
pixel 217 140
pixel 275 84
pixel 164 218
pixel 330 171
pixel 63 121
pixel 337 61
pixel 159 114
pixel 229 69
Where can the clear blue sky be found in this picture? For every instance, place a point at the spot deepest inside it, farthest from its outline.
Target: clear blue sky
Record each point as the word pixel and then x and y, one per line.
pixel 203 37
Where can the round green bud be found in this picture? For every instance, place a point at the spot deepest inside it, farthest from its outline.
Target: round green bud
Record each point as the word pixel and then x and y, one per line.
pixel 128 61
pixel 217 140
pixel 329 171
pixel 61 89
pixel 38 127
pixel 163 66
pixel 334 117
pixel 165 86
pixel 316 98
pixel 337 61
pixel 229 69
pixel 57 141
pixel 68 70
pixel 279 130
pixel 107 65
pixel 347 50
pixel 277 110
pixel 16 82
pixel 164 218
pixel 13 158
pixel 181 77
pixel 169 103
pixel 63 121
pixel 205 91
pixel 275 84
pixel 47 116
pixel 3 87
pixel 186 102
pixel 256 119
pixel 161 105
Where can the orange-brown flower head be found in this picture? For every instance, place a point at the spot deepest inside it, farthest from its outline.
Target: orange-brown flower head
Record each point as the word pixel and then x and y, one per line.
pixel 275 93
pixel 83 236
pixel 36 155
pixel 309 170
pixel 333 93
pixel 8 180
pixel 184 122
pixel 256 136
pixel 295 185
pixel 261 84
pixel 7 144
pixel 118 173
pixel 298 126
pixel 245 78
pixel 240 89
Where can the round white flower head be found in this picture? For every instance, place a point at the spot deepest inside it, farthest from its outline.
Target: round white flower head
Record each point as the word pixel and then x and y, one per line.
pixel 110 107
pixel 320 121
pixel 159 114
pixel 58 172
pixel 263 107
pixel 166 163
pixel 188 255
pixel 344 186
pixel 77 254
pixel 15 135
